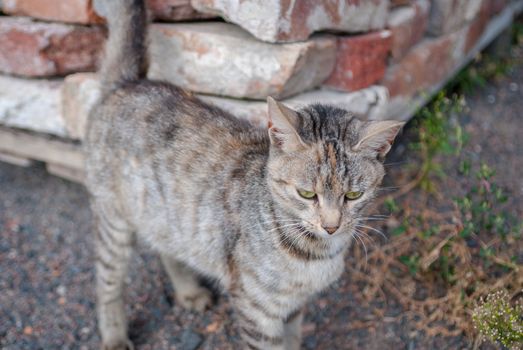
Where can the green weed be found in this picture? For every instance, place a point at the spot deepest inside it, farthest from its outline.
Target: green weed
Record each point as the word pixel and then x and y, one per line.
pixel 482 207
pixel 496 319
pixel 438 134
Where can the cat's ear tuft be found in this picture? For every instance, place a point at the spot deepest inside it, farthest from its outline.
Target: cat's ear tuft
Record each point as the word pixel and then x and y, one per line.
pixel 283 123
pixel 378 136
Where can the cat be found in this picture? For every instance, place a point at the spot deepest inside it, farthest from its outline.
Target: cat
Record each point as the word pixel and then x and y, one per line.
pixel 268 213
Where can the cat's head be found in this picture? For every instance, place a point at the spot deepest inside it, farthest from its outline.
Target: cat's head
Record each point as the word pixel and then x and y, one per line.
pixel 325 165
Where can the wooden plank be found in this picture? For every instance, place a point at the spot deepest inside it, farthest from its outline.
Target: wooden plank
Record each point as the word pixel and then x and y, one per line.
pixel 74 175
pixel 41 147
pixel 15 160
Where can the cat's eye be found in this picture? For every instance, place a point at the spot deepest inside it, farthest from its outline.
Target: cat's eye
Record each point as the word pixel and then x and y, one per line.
pixel 307 194
pixel 353 195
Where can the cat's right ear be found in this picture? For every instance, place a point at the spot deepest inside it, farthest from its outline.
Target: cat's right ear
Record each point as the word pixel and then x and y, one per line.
pixel 283 122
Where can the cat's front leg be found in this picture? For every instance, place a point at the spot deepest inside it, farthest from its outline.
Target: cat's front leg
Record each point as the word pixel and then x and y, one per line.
pixel 113 241
pixel 258 327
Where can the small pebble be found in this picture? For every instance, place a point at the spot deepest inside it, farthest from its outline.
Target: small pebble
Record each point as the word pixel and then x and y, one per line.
pixel 491 99
pixel 213 327
pixel 513 87
pixel 28 330
pixel 61 290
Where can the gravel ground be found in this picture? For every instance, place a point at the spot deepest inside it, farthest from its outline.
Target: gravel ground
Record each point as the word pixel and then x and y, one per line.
pixel 46 261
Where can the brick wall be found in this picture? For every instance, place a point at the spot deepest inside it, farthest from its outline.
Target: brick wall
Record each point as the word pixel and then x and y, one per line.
pixel 378 58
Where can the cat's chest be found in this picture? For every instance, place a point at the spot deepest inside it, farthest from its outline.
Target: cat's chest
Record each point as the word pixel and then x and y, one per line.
pixel 315 276
pixel 301 277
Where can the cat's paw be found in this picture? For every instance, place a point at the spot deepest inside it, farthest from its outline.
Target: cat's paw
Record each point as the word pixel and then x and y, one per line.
pixel 199 299
pixel 124 344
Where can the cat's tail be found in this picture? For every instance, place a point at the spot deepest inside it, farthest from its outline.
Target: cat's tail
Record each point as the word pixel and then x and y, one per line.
pixel 126 50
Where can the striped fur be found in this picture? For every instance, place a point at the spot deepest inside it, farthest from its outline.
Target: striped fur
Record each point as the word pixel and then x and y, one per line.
pixel 217 197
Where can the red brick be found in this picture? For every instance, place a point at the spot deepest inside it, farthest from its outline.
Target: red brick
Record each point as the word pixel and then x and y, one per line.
pixel 45 49
pixel 69 11
pixel 427 64
pixel 360 60
pixel 174 10
pixel 407 25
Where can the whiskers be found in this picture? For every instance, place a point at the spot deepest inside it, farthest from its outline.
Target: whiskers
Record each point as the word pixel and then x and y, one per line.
pixel 293 235
pixel 361 231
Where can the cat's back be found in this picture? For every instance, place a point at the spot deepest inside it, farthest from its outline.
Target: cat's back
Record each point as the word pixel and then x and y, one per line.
pixel 146 127
pixel 157 112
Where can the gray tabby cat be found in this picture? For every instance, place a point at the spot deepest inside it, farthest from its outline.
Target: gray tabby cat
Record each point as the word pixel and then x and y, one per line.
pixel 268 214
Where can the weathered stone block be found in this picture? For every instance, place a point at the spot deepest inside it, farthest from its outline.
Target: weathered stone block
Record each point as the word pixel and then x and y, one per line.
pixel 39 49
pixel 360 61
pixel 70 11
pixel 450 15
pixel 428 63
pixel 283 20
pixel 407 25
pixel 31 104
pixel 222 59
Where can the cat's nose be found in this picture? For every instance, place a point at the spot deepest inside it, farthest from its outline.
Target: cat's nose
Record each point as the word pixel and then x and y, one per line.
pixel 330 230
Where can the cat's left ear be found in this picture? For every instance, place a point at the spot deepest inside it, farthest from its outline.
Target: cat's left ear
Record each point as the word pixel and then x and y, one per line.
pixel 378 136
pixel 283 123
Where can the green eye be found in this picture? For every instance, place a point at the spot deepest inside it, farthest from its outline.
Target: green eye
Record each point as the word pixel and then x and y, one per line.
pixel 353 195
pixel 307 194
